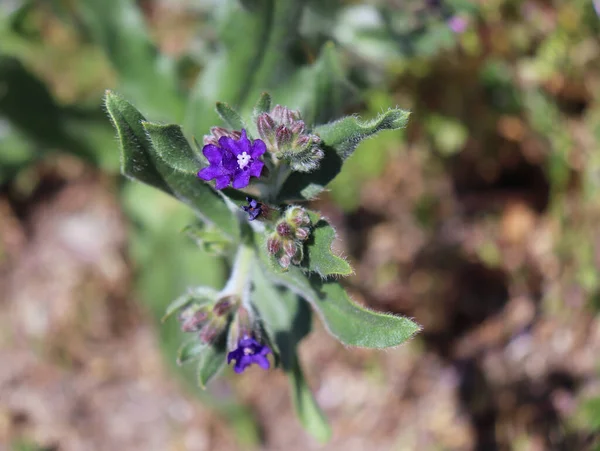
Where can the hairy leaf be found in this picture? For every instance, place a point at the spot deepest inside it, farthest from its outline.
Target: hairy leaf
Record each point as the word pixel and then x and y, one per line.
pixel 319 257
pixel 212 360
pixel 190 351
pixel 230 116
pixel 350 323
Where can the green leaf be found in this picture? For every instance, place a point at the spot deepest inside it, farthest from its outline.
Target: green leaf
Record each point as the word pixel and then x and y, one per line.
pixel 312 417
pixel 350 323
pixel 339 140
pixel 263 105
pixel 212 360
pixel 287 320
pixel 160 156
pixel 176 305
pixel 189 351
pixel 319 257
pixel 230 116
pixel 136 148
pixel 144 74
pixel 198 295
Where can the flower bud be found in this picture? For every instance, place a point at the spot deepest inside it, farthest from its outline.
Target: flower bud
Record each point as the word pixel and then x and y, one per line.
pixel 289 247
pixel 284 229
pixel 299 256
pixel 266 128
pixel 192 318
pixel 297 216
pixel 212 329
pixel 225 305
pixel 284 115
pixel 302 233
pixel 273 244
pixel 283 137
pixel 219 132
pixel 297 127
pixel 285 261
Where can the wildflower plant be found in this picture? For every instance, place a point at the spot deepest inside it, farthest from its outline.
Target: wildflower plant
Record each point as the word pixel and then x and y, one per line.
pixel 248 183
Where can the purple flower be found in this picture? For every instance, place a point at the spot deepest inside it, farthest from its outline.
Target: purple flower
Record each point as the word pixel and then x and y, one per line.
pixel 254 208
pixel 233 161
pixel 458 24
pixel 249 351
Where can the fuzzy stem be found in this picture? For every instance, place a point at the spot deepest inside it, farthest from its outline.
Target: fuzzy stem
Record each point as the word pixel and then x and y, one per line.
pixel 239 280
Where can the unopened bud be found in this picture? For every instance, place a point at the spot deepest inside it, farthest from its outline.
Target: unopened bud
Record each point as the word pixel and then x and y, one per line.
pixel 297 258
pixel 284 261
pixel 225 305
pixel 302 233
pixel 210 139
pixel 283 115
pixel 273 245
pixel 266 128
pixel 289 247
pixel 192 322
pixel 211 330
pixel 219 132
pixel 283 137
pixel 284 229
pixel 297 127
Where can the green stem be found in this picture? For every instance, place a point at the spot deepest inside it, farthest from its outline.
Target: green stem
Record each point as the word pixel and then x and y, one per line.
pixel 239 279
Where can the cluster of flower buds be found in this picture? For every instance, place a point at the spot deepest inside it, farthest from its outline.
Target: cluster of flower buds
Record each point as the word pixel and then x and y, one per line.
pixel 285 135
pixel 209 320
pixel 286 243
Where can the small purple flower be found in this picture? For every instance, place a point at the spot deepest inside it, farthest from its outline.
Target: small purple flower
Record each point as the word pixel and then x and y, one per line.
pixel 458 24
pixel 249 351
pixel 233 161
pixel 254 208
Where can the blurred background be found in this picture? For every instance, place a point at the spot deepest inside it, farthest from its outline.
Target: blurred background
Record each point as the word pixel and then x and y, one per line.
pixel 480 220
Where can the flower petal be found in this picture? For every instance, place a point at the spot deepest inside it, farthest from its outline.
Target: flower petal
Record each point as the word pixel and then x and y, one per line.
pixel 241 180
pixel 258 148
pixel 229 162
pixel 222 182
pixel 212 154
pixel 210 172
pixel 262 361
pixel 256 168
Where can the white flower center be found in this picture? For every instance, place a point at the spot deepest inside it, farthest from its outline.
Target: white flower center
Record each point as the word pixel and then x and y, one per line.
pixel 243 160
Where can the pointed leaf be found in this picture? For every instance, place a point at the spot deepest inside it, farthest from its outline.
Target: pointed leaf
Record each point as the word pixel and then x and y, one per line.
pixel 350 323
pixel 339 139
pixel 189 351
pixel 263 105
pixel 198 295
pixel 312 417
pixel 231 117
pixel 136 147
pixel 287 320
pixel 176 305
pixel 212 360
